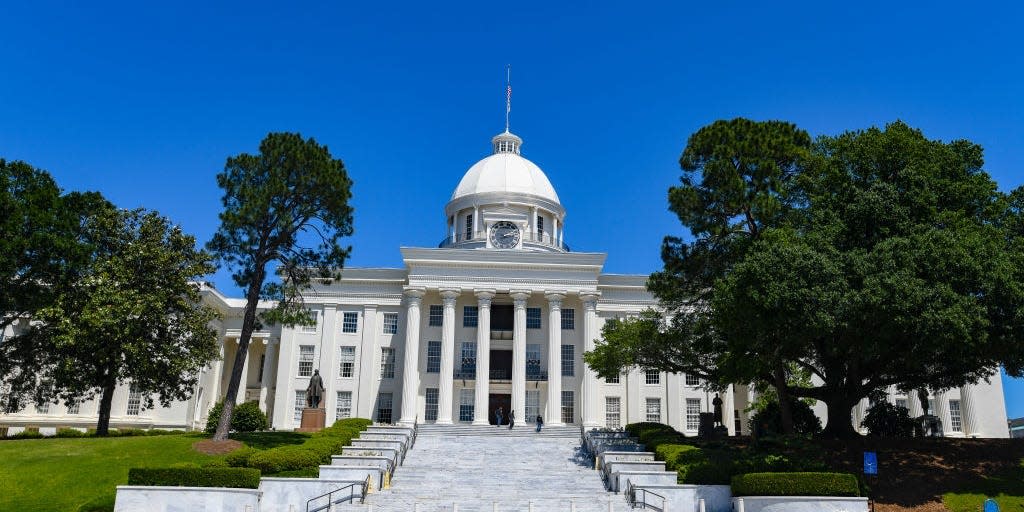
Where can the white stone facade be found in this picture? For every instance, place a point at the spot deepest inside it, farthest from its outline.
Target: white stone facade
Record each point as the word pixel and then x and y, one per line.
pixel 500 313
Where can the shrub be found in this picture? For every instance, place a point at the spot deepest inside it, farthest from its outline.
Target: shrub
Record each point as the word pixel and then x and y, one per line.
pixel 195 477
pixel 795 484
pixel 240 457
pixel 653 435
pixel 247 417
pixel 306 457
pixel 768 421
pixel 103 503
pixel 130 432
pixel 69 432
pixel 215 463
pixel 888 420
pixel 28 434
pixel 285 458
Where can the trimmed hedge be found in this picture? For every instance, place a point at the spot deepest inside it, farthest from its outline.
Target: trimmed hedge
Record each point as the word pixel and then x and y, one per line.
pixel 795 484
pixel 307 456
pixel 245 478
pixel 653 435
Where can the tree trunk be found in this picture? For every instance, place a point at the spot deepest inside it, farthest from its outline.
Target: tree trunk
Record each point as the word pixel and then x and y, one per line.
pixel 248 325
pixel 107 399
pixel 840 423
pixel 785 402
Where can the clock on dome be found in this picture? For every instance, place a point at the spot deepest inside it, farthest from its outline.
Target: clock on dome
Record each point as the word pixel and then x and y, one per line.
pixel 504 235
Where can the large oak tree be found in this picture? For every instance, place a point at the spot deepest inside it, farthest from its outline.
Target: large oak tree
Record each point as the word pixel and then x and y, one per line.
pixel 285 207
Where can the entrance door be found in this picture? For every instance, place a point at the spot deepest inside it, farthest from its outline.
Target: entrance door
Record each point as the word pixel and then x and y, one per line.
pixel 501 365
pixel 495 401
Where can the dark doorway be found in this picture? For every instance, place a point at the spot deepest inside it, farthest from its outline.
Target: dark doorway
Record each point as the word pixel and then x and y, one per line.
pixel 495 401
pixel 501 365
pixel 502 317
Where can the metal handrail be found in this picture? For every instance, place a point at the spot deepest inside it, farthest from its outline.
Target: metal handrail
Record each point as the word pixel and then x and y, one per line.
pixel 351 495
pixel 532 237
pixel 631 491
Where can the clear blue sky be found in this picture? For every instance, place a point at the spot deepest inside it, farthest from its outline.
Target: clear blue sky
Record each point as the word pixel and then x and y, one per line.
pixel 144 101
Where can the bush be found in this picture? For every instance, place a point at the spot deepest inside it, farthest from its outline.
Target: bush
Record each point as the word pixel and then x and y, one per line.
pixel 27 434
pixel 247 417
pixel 888 420
pixel 130 432
pixel 240 457
pixel 245 478
pixel 69 432
pixel 653 435
pixel 795 484
pixel 285 458
pixel 768 421
pixel 215 463
pixel 103 503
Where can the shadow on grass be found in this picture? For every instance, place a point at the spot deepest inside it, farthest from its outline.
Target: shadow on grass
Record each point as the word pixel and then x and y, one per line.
pixel 268 440
pixel 1007 487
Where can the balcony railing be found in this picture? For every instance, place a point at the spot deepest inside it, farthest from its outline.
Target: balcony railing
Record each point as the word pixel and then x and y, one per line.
pixel 470 374
pixel 529 237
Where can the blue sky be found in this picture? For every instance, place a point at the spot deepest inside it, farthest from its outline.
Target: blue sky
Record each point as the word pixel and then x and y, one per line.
pixel 144 101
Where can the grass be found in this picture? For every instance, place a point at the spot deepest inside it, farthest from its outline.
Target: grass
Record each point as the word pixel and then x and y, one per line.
pixel 1006 487
pixel 62 474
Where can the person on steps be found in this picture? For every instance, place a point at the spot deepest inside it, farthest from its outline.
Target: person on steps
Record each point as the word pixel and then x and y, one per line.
pixel 540 422
pixel 511 419
pixel 498 415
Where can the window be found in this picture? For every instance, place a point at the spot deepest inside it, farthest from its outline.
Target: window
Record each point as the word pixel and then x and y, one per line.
pixel 469 316
pixel 692 413
pixel 430 414
pixel 468 357
pixel 349 322
pixel 466 404
pixel 390 323
pixel 568 407
pixel 902 402
pixel 533 318
pixel 955 421
pixel 436 315
pixel 433 357
pixel 344 408
pixel 654 410
pixel 532 405
pixel 652 377
pixel 469 227
pixel 263 362
pixel 134 402
pixel 300 403
pixel 692 380
pixel 612 380
pixel 540 227
pixel 44 409
pixel 612 412
pixel 315 317
pixel 348 362
pixel 568 360
pixel 387 363
pixel 532 361
pixel 305 360
pixel 74 408
pixel 384 401
pixel 931 406
pixel 568 319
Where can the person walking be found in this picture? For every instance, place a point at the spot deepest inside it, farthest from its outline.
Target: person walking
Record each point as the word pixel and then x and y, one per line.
pixel 540 422
pixel 511 419
pixel 498 415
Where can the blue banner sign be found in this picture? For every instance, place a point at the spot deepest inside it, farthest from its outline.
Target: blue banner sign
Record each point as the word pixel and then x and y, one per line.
pixel 870 463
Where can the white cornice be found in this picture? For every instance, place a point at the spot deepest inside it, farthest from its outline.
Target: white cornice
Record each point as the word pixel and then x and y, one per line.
pixel 491 258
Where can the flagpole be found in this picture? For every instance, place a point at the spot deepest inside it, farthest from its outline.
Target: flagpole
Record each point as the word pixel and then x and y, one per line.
pixel 508 94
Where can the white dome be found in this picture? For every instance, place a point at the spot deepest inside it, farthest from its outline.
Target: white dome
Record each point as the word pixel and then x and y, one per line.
pixel 506 172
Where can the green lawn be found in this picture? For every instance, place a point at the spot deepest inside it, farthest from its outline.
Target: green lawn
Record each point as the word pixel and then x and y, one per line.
pixel 1007 488
pixel 62 474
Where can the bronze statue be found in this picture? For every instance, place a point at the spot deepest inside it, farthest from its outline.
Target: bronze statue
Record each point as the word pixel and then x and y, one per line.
pixel 315 390
pixel 717 402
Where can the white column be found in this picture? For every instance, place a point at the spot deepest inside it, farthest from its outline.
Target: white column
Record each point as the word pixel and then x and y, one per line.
pixel 729 409
pixel 590 404
pixel 268 374
pixel 942 410
pixel 483 356
pixel 968 414
pixel 410 370
pixel 444 391
pixel 913 404
pixel 218 371
pixel 367 371
pixel 519 355
pixel 554 414
pixel 476 222
pixel 242 384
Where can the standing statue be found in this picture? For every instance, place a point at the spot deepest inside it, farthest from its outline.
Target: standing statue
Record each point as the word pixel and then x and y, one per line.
pixel 315 390
pixel 717 402
pixel 922 396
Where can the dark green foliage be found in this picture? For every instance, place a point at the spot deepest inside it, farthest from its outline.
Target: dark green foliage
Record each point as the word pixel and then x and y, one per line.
pixel 244 478
pixel 888 420
pixel 240 457
pixel 286 207
pixel 27 434
pixel 216 463
pixel 651 434
pixel 795 484
pixel 69 432
pixel 247 418
pixel 104 503
pixel 768 421
pixel 284 459
pixel 316 450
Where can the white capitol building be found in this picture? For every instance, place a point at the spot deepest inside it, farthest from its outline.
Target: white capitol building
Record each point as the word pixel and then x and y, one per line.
pixel 499 314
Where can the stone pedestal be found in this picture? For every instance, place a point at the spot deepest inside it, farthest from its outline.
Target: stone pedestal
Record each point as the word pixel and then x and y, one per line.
pixel 313 420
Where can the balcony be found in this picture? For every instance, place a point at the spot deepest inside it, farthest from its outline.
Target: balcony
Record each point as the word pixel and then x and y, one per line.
pixel 500 375
pixel 530 238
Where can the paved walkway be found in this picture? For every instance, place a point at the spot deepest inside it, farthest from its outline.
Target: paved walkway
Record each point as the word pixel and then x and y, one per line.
pixel 476 467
